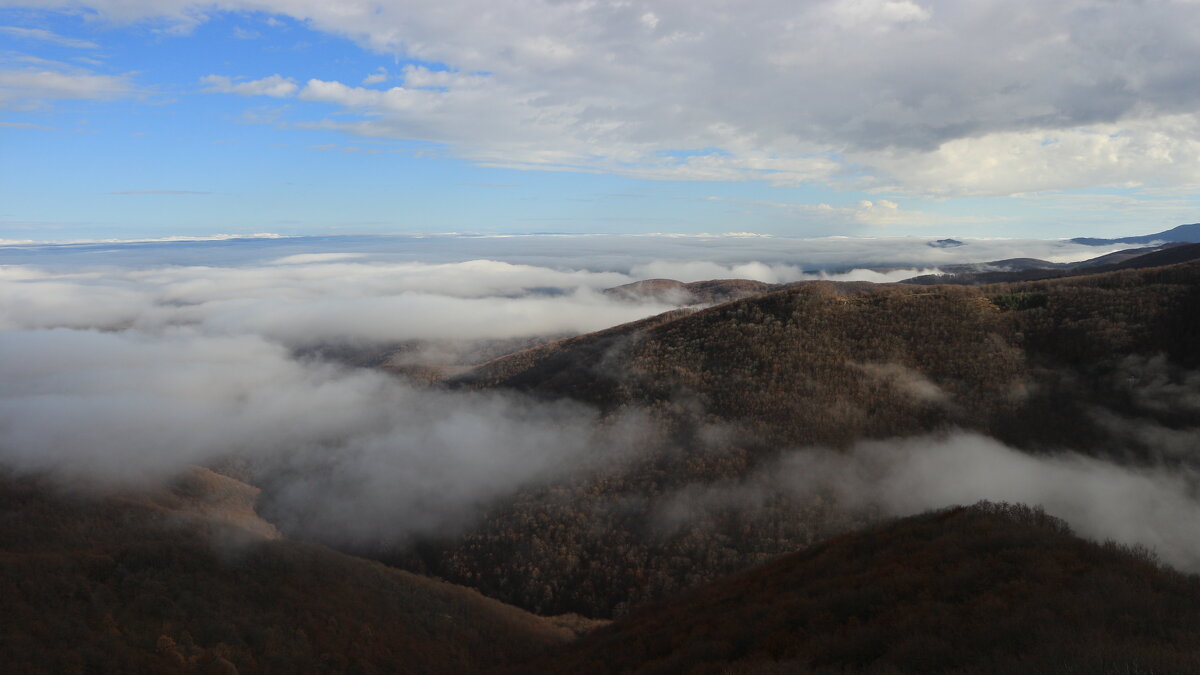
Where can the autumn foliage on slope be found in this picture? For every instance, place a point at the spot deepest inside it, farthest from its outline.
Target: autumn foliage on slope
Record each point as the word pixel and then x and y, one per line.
pixel 829 363
pixel 983 589
pixel 821 364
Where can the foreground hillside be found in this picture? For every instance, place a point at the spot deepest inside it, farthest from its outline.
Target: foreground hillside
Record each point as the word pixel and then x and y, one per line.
pixel 174 582
pixel 171 581
pixel 982 589
pixel 1102 365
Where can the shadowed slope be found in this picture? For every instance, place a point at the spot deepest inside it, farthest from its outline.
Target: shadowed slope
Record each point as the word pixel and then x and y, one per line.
pixel 149 583
pixel 985 589
pixel 674 292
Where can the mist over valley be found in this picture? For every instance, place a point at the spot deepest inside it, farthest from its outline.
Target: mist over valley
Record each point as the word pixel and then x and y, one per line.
pixel 599 336
pixel 583 440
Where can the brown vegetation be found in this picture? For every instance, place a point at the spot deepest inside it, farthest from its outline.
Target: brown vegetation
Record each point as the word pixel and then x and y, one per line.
pixel 825 364
pixel 983 589
pixel 674 292
pixel 141 584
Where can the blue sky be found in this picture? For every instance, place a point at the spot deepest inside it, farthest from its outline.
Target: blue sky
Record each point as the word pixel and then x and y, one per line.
pixel 140 119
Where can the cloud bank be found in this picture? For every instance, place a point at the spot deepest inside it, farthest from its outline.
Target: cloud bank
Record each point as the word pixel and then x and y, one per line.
pixel 304 300
pixel 1151 506
pixel 348 456
pixel 591 252
pixel 125 375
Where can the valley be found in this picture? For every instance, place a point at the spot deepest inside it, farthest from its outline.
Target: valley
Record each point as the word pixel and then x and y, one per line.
pixel 795 458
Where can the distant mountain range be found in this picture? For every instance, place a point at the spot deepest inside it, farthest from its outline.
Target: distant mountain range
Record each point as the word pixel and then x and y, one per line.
pixel 1032 269
pixel 1184 233
pixel 706 550
pixel 1009 270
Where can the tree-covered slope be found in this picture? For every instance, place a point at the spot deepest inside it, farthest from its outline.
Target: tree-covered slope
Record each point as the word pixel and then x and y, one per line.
pixel 1101 365
pixel 983 589
pixel 146 583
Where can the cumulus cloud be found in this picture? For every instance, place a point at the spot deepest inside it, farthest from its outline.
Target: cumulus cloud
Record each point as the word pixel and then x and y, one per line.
pixel 961 91
pixel 1136 152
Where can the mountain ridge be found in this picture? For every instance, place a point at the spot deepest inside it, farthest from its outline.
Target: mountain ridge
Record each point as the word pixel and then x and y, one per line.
pixel 1180 233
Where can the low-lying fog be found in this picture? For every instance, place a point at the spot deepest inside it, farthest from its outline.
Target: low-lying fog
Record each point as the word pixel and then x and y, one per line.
pixel 121 367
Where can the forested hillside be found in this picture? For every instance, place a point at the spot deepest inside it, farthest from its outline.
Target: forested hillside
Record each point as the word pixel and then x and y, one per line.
pixel 712 406
pixel 982 589
pixel 146 583
pixel 1068 363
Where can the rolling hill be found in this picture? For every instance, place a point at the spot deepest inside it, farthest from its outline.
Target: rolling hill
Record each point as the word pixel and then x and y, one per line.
pixel 991 588
pixel 1033 364
pixel 189 580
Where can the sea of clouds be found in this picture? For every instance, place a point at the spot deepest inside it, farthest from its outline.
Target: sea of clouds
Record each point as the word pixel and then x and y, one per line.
pixel 121 364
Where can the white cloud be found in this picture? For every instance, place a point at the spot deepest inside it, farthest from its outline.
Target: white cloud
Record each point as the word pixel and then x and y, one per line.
pixel 1154 507
pixel 347 454
pixel 964 93
pixel 29 87
pixel 275 86
pixel 378 77
pixel 695 270
pixel 308 299
pixel 1151 152
pixel 47 36
pixel 875 15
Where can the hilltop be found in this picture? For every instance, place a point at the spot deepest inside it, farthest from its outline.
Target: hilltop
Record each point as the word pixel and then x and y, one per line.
pixel 695 293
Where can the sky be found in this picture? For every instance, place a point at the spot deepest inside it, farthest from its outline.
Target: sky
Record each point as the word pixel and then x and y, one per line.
pixel 136 119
